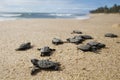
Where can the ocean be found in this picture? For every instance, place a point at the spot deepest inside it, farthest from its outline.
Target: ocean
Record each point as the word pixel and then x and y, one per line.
pixel 20 15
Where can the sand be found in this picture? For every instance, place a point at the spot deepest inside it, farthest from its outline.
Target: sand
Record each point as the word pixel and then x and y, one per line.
pixel 75 64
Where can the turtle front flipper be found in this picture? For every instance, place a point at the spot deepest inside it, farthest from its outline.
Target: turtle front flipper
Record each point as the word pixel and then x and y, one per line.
pixel 35 70
pixel 52 49
pixel 39 49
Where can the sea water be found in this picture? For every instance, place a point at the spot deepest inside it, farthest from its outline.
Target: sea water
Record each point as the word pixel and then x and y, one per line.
pixel 27 15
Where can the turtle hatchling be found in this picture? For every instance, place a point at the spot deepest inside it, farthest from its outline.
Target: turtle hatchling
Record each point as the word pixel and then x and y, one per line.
pixel 24 46
pixel 76 32
pixel 43 65
pixel 75 40
pixel 91 46
pixel 96 44
pixel 46 51
pixel 86 37
pixel 111 35
pixel 57 41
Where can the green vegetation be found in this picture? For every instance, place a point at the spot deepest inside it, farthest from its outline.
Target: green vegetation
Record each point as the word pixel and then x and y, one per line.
pixel 114 9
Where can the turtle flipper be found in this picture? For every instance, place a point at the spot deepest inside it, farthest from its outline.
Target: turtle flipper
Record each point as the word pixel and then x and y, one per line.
pixel 19 49
pixel 39 49
pixel 52 49
pixel 35 70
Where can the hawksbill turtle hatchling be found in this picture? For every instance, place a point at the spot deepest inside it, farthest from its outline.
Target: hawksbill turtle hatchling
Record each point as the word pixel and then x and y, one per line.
pixel 92 46
pixel 76 32
pixel 46 51
pixel 24 46
pixel 57 41
pixel 111 35
pixel 86 37
pixel 75 40
pixel 44 65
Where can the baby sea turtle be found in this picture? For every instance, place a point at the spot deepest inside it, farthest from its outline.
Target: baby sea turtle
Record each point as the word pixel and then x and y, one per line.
pixel 43 65
pixel 111 35
pixel 46 51
pixel 76 32
pixel 86 37
pixel 96 44
pixel 57 41
pixel 24 46
pixel 91 46
pixel 75 40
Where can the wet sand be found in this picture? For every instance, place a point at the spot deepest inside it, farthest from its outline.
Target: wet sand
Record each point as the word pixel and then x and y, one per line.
pixel 75 64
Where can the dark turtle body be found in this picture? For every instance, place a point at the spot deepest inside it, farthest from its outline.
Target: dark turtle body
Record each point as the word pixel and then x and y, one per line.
pixel 96 44
pixel 24 46
pixel 111 35
pixel 75 40
pixel 84 48
pixel 91 46
pixel 57 41
pixel 76 32
pixel 46 51
pixel 86 37
pixel 44 65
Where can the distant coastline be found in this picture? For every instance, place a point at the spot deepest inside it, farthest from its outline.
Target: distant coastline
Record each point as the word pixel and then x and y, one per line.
pixel 114 9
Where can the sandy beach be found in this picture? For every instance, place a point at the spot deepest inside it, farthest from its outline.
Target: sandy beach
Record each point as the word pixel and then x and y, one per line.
pixel 75 64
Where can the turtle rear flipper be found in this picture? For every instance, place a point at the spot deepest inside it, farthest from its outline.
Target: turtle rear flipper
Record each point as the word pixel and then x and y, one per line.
pixel 17 49
pixel 20 49
pixel 117 42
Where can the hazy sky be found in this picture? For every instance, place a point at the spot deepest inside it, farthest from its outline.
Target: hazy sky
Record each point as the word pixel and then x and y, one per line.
pixel 53 5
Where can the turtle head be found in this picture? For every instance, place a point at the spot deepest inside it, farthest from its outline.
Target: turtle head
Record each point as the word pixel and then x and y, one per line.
pixel 68 39
pixel 28 43
pixel 34 62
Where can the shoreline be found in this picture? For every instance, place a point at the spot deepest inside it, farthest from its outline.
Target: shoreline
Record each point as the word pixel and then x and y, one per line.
pixel 53 16
pixel 88 16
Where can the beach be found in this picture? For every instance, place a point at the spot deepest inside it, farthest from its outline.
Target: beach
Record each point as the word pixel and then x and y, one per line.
pixel 75 64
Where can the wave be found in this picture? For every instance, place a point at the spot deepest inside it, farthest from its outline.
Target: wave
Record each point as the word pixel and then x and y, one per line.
pixel 10 15
pixel 58 14
pixel 14 16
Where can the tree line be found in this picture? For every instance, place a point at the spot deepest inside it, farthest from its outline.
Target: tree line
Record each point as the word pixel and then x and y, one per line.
pixel 114 9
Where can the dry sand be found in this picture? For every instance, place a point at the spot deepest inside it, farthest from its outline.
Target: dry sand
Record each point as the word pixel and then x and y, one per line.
pixel 75 64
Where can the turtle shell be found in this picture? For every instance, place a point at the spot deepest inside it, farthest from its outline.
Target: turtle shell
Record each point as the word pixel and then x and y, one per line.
pixel 93 43
pixel 24 46
pixel 45 49
pixel 84 47
pixel 86 37
pixel 79 38
pixel 72 40
pixel 56 40
pixel 45 64
pixel 110 35
pixel 77 32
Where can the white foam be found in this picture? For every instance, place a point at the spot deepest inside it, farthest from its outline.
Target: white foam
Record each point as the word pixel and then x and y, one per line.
pixel 10 15
pixel 67 15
